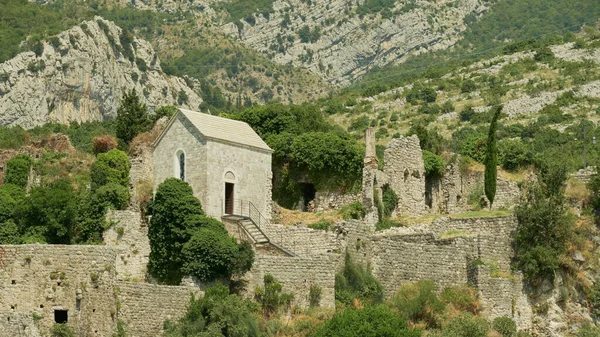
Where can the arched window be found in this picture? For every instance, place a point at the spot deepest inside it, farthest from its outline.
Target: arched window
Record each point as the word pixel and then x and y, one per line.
pixel 179 165
pixel 182 166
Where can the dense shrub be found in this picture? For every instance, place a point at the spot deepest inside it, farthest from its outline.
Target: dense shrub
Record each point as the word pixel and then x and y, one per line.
pixel 434 164
pixel 467 86
pixel 216 314
pixel 112 195
pixel 314 295
pixel 389 201
pixel 17 170
pixel 356 282
pixel 372 321
pixel 418 302
pixel 354 210
pixel 110 167
pixel 62 330
pixel 271 296
pixel 466 325
pixel 103 144
pixel 212 254
pixel 48 214
pixel 505 326
pixel 513 154
pixel 463 298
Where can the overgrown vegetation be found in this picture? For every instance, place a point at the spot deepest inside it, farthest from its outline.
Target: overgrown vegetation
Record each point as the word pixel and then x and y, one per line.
pixel 184 241
pixel 356 282
pixel 545 226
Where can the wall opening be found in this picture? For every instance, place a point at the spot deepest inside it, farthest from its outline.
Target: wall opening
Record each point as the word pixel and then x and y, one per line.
pixel 308 194
pixel 61 316
pixel 181 161
pixel 229 202
pixel 78 304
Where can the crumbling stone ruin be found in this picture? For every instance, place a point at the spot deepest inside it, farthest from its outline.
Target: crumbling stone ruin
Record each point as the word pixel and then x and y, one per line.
pixel 404 172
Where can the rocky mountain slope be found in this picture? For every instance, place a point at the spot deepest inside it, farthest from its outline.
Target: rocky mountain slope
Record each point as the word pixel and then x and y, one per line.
pixel 341 40
pixel 80 75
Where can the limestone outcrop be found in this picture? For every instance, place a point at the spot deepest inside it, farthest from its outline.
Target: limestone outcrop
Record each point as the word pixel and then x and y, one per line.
pixel 343 45
pixel 81 74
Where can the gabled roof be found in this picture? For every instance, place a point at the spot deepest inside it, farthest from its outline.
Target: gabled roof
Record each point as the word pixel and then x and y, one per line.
pixel 219 128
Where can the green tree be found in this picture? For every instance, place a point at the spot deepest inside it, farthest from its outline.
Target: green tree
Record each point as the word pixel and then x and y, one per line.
pixel 48 214
pixel 17 170
pixel 545 227
pixel 132 117
pixel 172 205
pixel 372 321
pixel 110 167
pixel 216 314
pixel 491 158
pixel 434 164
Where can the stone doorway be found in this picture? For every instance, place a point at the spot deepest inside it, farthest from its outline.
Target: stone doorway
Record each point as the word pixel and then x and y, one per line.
pixel 229 202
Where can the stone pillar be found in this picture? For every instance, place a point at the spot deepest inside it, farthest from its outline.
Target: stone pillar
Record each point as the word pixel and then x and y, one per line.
pixel 370 152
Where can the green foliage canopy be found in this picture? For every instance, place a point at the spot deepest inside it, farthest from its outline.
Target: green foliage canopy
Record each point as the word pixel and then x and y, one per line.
pixel 17 170
pixel 110 167
pixel 132 117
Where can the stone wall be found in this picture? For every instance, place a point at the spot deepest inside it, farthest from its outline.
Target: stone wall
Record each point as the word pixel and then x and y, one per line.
pixel 14 324
pixel 301 240
pixel 503 296
pixel 409 258
pixel 144 307
pixel 297 274
pixel 182 136
pixel 129 236
pixel 39 279
pixel 493 236
pixel 405 170
pixel 333 200
pixel 249 169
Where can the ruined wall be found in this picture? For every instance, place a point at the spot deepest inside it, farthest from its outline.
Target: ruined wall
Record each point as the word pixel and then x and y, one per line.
pixel 412 257
pixel 129 237
pixel 333 200
pixel 17 324
pixel 144 307
pixel 43 278
pixel 405 170
pixel 507 192
pixel 301 240
pixel 297 274
pixel 503 296
pixel 492 235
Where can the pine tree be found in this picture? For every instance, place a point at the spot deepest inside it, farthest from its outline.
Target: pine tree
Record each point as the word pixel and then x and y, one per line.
pixel 132 117
pixel 491 158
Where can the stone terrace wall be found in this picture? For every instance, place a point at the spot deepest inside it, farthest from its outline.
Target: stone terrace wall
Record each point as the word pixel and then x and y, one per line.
pixel 16 324
pixel 297 274
pixel 301 240
pixel 133 246
pixel 145 307
pixel 412 257
pixel 42 278
pixel 503 297
pixel 491 234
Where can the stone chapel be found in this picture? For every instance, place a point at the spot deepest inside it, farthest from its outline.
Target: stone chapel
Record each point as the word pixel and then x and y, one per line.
pixel 225 162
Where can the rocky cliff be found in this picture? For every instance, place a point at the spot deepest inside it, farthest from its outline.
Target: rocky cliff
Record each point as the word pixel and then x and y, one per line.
pixel 339 42
pixel 80 75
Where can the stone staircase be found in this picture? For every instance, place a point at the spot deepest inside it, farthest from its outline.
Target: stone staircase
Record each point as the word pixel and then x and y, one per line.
pixel 250 227
pixel 251 221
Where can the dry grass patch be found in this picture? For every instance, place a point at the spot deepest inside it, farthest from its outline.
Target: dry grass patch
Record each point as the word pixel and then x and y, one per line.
pixel 291 217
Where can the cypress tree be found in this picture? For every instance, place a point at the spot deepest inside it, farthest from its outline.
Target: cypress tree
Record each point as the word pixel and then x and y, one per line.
pixel 132 117
pixel 491 158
